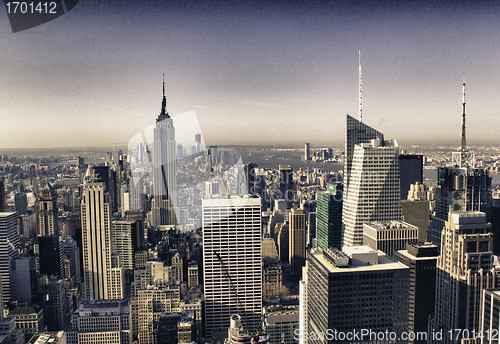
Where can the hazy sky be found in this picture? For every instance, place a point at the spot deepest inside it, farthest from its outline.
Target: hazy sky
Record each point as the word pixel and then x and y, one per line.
pixel 255 72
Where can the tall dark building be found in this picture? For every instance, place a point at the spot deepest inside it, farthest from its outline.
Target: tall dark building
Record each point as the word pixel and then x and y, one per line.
pixel 2 196
pixel 329 216
pixel 421 258
pixel 410 172
pixel 286 184
pixel 20 203
pixel 166 327
pixel 48 219
pixel 51 255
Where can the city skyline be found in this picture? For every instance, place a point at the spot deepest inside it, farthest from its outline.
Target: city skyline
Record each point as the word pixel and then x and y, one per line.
pixel 253 72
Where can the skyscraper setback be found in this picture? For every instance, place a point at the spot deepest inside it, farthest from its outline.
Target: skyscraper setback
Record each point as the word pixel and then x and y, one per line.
pixel 164 168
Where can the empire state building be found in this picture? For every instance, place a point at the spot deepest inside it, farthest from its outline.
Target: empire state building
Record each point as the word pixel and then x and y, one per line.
pixel 164 169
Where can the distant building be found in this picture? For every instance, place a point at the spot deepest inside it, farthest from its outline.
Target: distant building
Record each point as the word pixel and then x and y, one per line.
pixel 286 184
pixel 307 152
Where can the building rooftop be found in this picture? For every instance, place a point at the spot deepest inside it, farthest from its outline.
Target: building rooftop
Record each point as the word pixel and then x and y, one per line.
pixel 390 225
pixel 384 262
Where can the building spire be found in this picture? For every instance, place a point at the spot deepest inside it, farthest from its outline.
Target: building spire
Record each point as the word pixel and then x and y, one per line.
pixel 163 112
pixel 360 91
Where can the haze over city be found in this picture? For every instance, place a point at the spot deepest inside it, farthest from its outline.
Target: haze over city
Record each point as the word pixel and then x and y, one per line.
pixel 255 73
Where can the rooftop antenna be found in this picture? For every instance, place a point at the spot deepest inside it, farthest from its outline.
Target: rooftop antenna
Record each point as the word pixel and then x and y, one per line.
pixel 360 91
pixel 464 142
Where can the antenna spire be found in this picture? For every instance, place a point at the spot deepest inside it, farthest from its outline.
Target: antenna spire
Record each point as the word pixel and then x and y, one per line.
pixel 464 142
pixel 360 91
pixel 163 112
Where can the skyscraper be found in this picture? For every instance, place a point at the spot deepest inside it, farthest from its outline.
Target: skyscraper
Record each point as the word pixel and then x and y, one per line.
pixel 307 151
pixel 356 133
pixel 286 184
pixel 464 269
pixel 164 168
pixel 297 236
pixel 232 261
pixel 2 196
pixel 373 192
pixel 96 232
pixel 9 249
pixel 461 187
pixel 410 172
pixel 354 289
pixel 329 216
pixel 48 220
pixel 51 255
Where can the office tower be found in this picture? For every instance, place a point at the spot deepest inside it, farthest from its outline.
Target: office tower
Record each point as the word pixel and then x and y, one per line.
pixel 9 333
pixel 56 309
pixel 72 268
pixel 166 328
pixel 416 210
pixel 20 203
pixel 357 288
pixel 307 152
pixel 421 258
pixel 96 322
pixel 136 191
pixel 108 176
pixel 2 196
pixel 311 229
pixel 329 216
pixel 26 276
pixel 389 236
pixel 490 323
pixel 297 236
pixel 282 234
pixel 464 269
pixel 356 133
pixel 373 191
pixel 410 172
pixel 96 232
pixel 460 187
pixel 9 249
pixel 232 260
pixel 48 220
pixel 150 303
pixel 51 255
pixel 164 168
pixel 126 238
pixel 286 184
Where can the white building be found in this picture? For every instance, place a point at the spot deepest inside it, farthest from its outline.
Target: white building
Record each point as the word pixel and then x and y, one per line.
pixel 9 249
pixel 373 192
pixel 232 261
